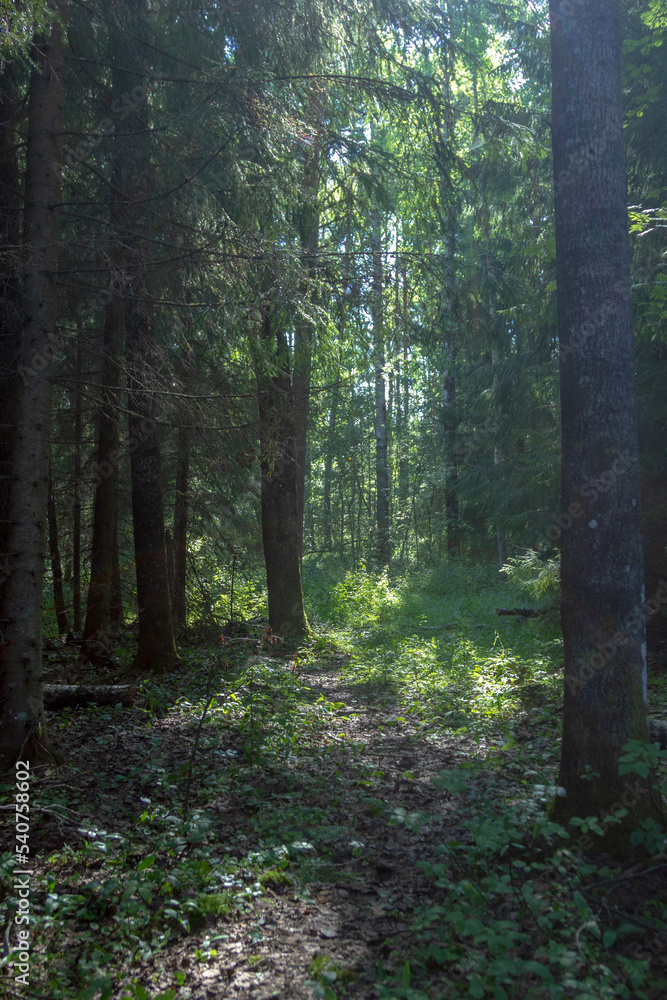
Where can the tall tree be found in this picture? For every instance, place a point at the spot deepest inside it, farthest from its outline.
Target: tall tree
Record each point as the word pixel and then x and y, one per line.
pixel 279 491
pixel 383 525
pixel 180 546
pixel 56 565
pixel 156 650
pixel 10 322
pixel 601 552
pixel 98 605
pixel 309 223
pixel 21 704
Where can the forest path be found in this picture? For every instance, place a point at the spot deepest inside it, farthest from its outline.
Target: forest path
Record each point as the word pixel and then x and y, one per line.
pixel 352 915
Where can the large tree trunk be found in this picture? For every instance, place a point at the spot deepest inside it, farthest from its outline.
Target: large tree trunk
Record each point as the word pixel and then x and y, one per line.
pixel 156 649
pixel 10 313
pixel 22 711
pixel 280 507
pixel 303 346
pixel 383 550
pixel 602 594
pixel 98 607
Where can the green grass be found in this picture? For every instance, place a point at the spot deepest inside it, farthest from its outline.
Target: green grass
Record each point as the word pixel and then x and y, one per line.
pixel 432 644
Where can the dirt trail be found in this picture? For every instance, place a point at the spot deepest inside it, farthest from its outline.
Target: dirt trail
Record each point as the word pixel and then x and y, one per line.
pixel 349 924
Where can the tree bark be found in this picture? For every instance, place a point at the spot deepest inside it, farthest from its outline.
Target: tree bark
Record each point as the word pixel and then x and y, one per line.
pixel 381 438
pixel 56 565
pixel 279 496
pixel 156 648
pixel 403 376
pixel 98 607
pixel 116 609
pixel 10 290
pixel 328 470
pixel 303 340
pixel 602 608
pixel 497 445
pixel 333 412
pixel 78 486
pixel 22 711
pixel 180 542
pixel 451 469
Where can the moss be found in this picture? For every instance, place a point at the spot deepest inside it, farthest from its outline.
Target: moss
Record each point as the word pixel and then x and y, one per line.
pixel 322 963
pixel 275 879
pixel 214 904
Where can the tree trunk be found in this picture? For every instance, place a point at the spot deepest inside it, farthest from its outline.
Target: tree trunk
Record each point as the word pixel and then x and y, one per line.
pixel 10 311
pixel 116 609
pixel 156 649
pixel 181 527
pixel 333 412
pixel 328 470
pixel 497 446
pixel 451 469
pixel 279 497
pixel 98 607
pixel 303 346
pixel 602 609
pixel 56 565
pixel 22 711
pixel 78 486
pixel 383 551
pixel 403 465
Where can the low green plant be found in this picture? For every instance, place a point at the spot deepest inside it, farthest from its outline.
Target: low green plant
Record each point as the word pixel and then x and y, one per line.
pixel 535 575
pixel 513 919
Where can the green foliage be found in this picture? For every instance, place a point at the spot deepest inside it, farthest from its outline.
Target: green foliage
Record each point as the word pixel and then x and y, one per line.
pixel 432 644
pixel 641 758
pixel 536 576
pixel 361 599
pixel 504 888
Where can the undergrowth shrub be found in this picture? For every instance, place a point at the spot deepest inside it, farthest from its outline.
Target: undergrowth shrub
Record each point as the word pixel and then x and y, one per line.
pixel 535 576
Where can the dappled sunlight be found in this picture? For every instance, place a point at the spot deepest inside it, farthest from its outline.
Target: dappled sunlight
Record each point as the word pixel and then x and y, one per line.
pixel 433 645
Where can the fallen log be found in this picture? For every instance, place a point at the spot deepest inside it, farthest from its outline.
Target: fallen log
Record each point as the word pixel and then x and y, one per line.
pixel 58 696
pixel 524 612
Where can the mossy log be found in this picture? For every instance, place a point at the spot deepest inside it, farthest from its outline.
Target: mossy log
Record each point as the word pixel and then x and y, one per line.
pixel 57 696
